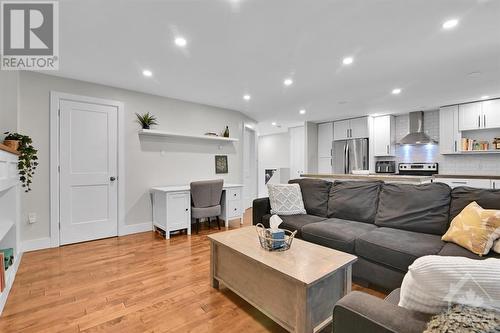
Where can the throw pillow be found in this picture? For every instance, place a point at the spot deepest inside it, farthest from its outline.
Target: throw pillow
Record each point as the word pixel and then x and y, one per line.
pixel 474 228
pixel 434 283
pixel 460 318
pixel 286 199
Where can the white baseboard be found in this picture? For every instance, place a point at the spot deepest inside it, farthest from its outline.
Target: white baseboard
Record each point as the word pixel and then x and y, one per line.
pixel 135 228
pixel 44 243
pixel 35 244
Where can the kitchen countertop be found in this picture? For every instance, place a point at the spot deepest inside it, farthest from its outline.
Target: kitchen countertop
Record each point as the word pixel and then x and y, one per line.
pixel 382 177
pixel 467 176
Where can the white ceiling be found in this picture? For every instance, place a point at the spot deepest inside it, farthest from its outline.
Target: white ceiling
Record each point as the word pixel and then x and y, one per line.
pixel 251 46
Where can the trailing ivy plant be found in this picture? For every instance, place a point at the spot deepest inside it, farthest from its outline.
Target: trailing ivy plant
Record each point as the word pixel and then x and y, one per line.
pixel 28 159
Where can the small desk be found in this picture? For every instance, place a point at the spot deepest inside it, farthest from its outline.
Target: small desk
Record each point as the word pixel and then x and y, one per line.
pixel 172 207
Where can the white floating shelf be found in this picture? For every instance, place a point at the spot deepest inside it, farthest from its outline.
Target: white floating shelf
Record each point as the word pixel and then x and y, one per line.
pixel 5 184
pixel 4 228
pixel 186 136
pixel 490 151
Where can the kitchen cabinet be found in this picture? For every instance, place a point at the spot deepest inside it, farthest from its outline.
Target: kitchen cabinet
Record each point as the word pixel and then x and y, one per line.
pixel 449 134
pixel 491 113
pixel 350 129
pixel 297 151
pixel 456 182
pixel 341 130
pixel 384 136
pixel 469 116
pixel 359 128
pixel 479 115
pixel 325 165
pixel 325 139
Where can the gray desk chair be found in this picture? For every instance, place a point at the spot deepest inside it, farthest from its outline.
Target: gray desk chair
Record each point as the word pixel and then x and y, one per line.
pixel 205 200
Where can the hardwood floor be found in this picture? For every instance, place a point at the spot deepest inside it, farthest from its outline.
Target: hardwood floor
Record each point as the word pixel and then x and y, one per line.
pixel 136 283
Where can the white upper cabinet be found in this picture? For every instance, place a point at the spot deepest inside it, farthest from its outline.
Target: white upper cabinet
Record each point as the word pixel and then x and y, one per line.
pixel 325 138
pixel 341 130
pixel 449 134
pixel 479 115
pixel 384 136
pixel 469 116
pixel 491 114
pixel 351 129
pixel 359 128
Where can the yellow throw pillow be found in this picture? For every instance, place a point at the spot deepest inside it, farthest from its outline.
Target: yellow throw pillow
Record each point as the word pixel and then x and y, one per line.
pixel 474 228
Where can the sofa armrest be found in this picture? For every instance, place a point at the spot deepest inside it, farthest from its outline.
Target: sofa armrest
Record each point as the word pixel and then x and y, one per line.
pixel 359 312
pixel 260 207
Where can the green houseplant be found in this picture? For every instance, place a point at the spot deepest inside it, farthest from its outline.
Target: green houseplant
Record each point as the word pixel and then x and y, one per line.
pixel 146 120
pixel 28 159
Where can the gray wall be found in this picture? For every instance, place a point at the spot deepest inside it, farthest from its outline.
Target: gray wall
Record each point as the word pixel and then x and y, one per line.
pixel 148 162
pixel 9 81
pixel 481 164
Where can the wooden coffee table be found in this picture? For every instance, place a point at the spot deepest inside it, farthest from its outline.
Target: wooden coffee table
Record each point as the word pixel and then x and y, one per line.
pixel 296 288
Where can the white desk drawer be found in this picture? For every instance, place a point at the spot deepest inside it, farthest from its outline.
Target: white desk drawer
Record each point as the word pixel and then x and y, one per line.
pixel 234 208
pixel 233 194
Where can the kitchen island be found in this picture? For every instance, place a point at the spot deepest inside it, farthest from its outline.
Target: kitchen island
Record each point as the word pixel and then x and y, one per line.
pixel 388 178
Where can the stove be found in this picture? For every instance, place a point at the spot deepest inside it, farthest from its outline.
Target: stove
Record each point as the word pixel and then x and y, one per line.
pixel 418 169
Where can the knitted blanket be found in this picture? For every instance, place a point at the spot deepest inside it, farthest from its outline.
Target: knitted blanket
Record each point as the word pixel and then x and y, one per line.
pixel 463 318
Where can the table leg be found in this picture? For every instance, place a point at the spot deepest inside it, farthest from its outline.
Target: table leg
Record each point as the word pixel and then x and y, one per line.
pixel 213 280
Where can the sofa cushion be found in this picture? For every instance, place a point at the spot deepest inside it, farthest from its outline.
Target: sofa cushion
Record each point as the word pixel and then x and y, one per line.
pixel 420 208
pixel 294 222
pixel 336 233
pixel 462 196
pixel 396 248
pixel 454 250
pixel 315 195
pixel 348 197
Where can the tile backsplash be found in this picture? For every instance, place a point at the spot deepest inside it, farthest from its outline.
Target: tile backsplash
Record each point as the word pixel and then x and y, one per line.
pixel 481 164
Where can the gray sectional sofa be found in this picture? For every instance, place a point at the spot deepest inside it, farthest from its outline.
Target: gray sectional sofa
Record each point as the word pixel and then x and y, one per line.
pixel 387 226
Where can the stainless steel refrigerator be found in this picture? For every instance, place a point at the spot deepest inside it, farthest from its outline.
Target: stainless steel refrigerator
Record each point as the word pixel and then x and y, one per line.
pixel 350 155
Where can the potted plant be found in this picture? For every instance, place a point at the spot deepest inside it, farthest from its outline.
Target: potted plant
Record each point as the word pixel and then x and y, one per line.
pixel 146 120
pixel 28 159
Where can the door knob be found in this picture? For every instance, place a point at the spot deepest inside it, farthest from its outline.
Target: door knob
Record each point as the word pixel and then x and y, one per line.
pixel 112 179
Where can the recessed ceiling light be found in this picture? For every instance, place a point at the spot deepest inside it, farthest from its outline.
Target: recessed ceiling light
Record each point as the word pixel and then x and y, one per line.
pixel 303 111
pixel 347 60
pixel 147 73
pixel 246 97
pixel 396 91
pixel 180 41
pixel 273 123
pixel 450 24
pixel 485 97
pixel 288 82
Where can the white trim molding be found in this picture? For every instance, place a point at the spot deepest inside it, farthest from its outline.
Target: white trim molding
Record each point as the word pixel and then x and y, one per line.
pixel 55 98
pixel 129 229
pixel 36 244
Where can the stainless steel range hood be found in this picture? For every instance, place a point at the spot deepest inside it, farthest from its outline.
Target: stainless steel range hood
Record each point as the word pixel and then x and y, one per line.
pixel 417 135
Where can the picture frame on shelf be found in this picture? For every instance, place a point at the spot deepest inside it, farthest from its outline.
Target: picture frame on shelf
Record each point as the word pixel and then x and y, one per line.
pixel 221 164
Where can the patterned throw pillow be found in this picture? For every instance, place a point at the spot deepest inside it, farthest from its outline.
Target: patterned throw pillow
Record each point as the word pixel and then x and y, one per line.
pixel 286 199
pixel 475 229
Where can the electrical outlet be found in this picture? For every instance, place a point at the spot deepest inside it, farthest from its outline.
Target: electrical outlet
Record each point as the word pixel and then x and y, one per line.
pixel 32 218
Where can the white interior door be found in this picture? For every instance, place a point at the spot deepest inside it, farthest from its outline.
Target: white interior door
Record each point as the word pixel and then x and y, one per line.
pixel 249 167
pixel 88 170
pixel 297 151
